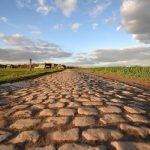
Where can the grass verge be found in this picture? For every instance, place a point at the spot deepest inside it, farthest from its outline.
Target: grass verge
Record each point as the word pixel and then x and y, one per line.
pixel 131 72
pixel 138 76
pixel 10 75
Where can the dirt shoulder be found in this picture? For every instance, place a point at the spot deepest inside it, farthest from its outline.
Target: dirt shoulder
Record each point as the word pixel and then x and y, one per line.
pixel 141 83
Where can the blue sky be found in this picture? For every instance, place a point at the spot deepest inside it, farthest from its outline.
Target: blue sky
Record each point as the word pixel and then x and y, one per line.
pixel 77 28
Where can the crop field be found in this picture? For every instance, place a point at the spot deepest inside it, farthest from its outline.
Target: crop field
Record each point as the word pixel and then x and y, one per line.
pixel 16 74
pixel 130 72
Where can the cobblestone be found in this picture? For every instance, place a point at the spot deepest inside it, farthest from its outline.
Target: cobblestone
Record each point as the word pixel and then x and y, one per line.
pixel 111 119
pixel 4 135
pixel 30 136
pixel 110 109
pixel 66 112
pixel 131 146
pixel 69 135
pixel 48 147
pixel 87 111
pixel 54 121
pixel 22 114
pixel 46 112
pixel 74 146
pixel 134 130
pixel 56 105
pixel 92 103
pixel 69 110
pixel 38 106
pixel 101 134
pixel 137 118
pixel 25 123
pixel 3 122
pixel 7 147
pixel 84 121
pixel 134 110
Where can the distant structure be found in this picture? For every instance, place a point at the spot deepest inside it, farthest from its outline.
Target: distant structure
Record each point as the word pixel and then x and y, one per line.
pixel 3 66
pixel 30 64
pixel 35 66
pixel 50 66
pixel 11 66
pixel 8 66
pixel 45 66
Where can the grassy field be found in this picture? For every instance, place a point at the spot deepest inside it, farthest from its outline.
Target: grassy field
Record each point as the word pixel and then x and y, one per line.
pixel 16 74
pixel 131 72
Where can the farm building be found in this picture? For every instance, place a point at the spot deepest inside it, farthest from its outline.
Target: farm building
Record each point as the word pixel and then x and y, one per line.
pixel 11 66
pixel 3 66
pixel 45 66
pixel 61 66
pixel 50 66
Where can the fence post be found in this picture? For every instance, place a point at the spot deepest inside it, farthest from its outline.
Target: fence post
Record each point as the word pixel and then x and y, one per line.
pixel 30 65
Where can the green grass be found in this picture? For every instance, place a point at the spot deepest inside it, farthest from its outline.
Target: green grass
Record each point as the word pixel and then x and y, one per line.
pixel 131 72
pixel 16 74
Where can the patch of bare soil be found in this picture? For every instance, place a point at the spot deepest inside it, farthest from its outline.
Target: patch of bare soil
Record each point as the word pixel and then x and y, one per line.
pixel 141 83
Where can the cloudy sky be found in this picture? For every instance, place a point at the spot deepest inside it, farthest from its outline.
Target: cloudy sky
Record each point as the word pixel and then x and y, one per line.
pixel 75 32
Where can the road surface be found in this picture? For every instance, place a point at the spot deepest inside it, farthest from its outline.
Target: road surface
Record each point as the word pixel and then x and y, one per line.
pixel 75 111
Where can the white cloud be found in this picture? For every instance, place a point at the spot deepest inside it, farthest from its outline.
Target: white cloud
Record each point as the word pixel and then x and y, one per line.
pixel 34 29
pixel 95 26
pixel 119 28
pixel 67 6
pixel 97 11
pixel 57 27
pixel 36 32
pixel 3 19
pixel 136 19
pixel 24 3
pixel 111 19
pixel 99 8
pixel 95 1
pixel 113 57
pixel 7 22
pixel 41 2
pixel 75 26
pixel 17 35
pixel 22 48
pixel 2 35
pixel 145 38
pixel 40 6
pixel 43 8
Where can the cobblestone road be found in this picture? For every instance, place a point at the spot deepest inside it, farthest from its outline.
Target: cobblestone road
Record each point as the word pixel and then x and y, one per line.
pixel 75 111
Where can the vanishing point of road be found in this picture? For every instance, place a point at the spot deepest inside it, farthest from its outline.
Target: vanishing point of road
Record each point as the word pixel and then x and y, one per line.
pixel 75 111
